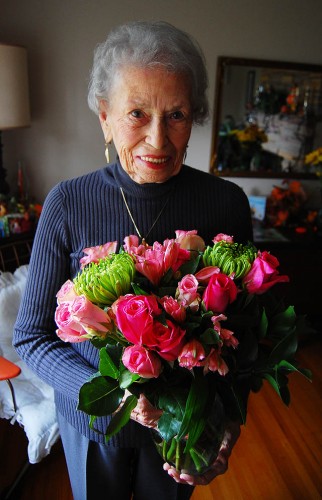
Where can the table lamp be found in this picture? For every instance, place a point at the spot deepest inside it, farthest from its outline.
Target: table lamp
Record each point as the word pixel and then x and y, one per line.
pixel 14 96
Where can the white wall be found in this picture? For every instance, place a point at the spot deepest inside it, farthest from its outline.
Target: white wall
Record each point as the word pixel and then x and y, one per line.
pixel 65 138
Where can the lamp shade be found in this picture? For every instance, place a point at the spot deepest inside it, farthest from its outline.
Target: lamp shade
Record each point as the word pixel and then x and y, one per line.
pixel 14 90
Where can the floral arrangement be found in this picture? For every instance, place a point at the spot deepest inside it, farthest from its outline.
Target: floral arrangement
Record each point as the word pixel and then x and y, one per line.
pixel 285 204
pixel 193 328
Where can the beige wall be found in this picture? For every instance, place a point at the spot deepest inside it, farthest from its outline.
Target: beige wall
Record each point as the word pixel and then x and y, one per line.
pixel 65 138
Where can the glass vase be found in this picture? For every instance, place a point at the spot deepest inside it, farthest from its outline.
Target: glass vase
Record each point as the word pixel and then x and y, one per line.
pixel 204 452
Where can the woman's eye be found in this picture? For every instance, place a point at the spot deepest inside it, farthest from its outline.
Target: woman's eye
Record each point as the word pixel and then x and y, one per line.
pixel 177 115
pixel 136 113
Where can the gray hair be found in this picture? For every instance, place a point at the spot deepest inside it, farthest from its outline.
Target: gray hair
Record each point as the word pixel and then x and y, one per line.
pixel 149 44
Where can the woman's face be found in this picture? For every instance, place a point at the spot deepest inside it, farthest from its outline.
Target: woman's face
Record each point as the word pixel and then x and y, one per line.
pixel 149 119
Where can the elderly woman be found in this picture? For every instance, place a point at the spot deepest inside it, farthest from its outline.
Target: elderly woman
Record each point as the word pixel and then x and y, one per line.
pixel 148 87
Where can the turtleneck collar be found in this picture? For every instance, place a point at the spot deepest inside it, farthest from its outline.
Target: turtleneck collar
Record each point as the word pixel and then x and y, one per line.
pixel 149 190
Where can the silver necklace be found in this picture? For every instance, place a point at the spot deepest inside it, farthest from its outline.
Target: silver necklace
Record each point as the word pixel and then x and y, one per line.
pixel 143 239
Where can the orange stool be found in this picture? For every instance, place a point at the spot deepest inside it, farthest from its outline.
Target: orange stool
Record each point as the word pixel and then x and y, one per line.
pixel 9 370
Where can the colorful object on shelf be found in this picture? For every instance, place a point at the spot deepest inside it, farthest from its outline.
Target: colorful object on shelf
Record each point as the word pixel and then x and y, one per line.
pixel 17 218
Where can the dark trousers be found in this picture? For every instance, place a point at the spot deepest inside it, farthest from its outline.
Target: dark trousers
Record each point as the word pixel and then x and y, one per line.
pixel 97 471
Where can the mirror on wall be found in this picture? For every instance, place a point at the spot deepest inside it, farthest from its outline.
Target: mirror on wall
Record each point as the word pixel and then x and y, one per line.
pixel 267 117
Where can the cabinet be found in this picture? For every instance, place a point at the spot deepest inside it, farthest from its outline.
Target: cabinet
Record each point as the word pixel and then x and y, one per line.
pixel 300 258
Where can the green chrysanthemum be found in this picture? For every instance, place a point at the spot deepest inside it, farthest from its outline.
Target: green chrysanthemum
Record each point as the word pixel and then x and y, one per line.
pixel 230 257
pixel 104 282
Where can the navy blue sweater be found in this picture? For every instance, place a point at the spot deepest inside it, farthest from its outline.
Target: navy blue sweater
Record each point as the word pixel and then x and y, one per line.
pixel 89 211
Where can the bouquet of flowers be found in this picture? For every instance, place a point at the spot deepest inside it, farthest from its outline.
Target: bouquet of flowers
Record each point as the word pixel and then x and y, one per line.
pixel 191 327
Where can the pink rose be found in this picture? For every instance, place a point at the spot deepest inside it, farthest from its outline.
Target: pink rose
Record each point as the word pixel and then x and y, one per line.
pixel 138 359
pixel 67 292
pixel 173 308
pixel 170 340
pixel 95 254
pixel 263 274
pixel 221 291
pixel 69 330
pixel 187 292
pixel 135 318
pixel 192 354
pixel 94 320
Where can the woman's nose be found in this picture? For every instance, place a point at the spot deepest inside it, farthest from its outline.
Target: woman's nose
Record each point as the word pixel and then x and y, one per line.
pixel 157 133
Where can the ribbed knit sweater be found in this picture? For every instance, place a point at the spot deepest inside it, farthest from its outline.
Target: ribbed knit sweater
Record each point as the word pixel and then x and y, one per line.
pixel 89 211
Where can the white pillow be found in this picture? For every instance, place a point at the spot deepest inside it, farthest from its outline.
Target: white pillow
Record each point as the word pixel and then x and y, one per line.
pixel 35 399
pixel 12 287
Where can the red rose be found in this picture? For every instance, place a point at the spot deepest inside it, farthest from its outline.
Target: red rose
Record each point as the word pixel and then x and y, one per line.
pixel 221 291
pixel 169 340
pixel 135 318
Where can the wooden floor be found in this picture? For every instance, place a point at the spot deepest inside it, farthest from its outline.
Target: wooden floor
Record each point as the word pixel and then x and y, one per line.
pixel 278 456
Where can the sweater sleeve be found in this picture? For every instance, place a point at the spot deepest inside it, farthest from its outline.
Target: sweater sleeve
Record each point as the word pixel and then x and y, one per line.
pixel 57 363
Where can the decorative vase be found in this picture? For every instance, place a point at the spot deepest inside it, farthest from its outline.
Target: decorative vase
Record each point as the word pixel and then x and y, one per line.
pixel 204 452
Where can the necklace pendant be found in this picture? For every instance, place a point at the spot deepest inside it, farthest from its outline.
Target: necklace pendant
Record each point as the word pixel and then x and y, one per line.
pixel 144 243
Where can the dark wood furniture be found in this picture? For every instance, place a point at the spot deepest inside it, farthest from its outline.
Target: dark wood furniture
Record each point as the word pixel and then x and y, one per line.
pixel 15 251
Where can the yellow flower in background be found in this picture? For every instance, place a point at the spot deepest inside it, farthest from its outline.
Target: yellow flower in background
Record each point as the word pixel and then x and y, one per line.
pixel 315 159
pixel 251 133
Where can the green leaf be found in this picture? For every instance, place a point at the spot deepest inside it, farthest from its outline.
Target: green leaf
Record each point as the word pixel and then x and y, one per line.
pixel 284 349
pixel 127 378
pixel 199 460
pixel 173 401
pixel 168 426
pixel 210 337
pixel 293 368
pixel 263 325
pixel 273 382
pixel 195 405
pixel 138 290
pixel 196 428
pixel 100 396
pixel 190 266
pixel 106 365
pixel 282 323
pixel 121 417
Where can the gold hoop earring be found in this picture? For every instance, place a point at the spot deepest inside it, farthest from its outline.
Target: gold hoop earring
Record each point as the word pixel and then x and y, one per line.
pixel 107 153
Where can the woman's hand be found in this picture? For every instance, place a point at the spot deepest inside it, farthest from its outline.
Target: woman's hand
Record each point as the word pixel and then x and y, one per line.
pixel 220 465
pixel 146 414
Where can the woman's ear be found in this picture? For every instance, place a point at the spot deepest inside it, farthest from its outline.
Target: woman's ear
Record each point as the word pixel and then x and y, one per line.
pixel 104 121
